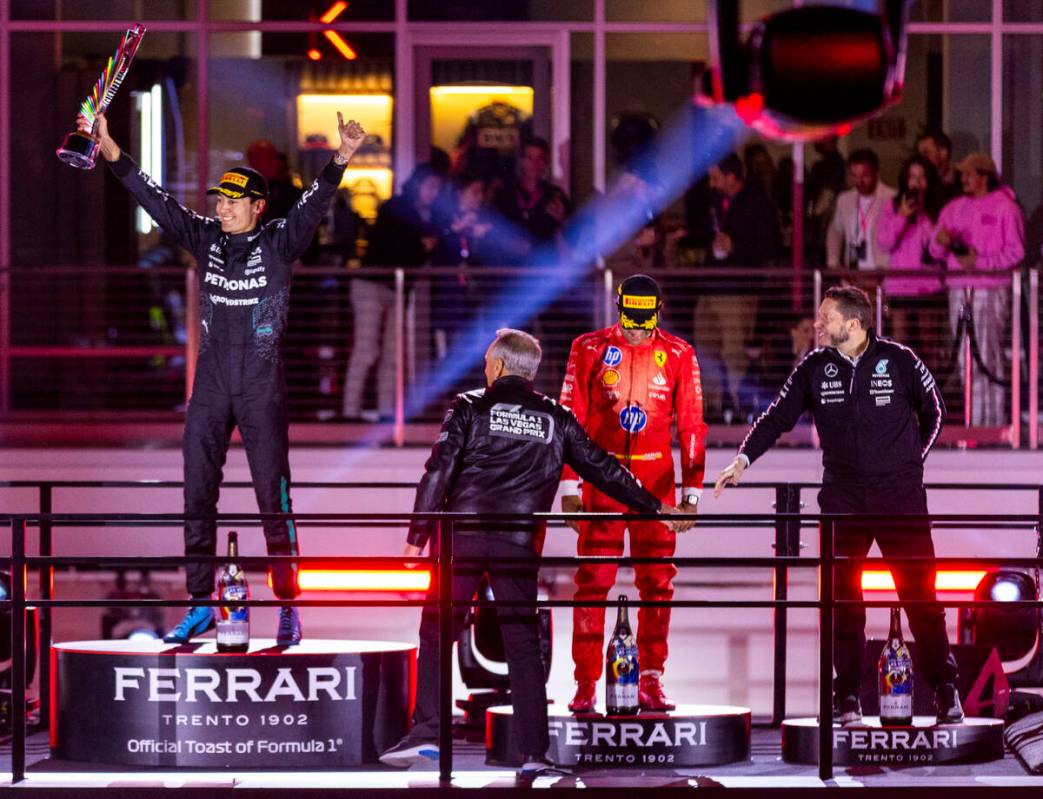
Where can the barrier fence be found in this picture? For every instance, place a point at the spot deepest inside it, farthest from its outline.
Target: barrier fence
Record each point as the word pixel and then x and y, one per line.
pixel 392 345
pixel 786 521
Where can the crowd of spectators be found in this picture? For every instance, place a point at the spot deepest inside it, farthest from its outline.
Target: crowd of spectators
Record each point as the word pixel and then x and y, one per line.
pixel 947 234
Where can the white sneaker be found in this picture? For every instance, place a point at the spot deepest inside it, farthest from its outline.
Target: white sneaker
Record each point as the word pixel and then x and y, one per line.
pixel 408 753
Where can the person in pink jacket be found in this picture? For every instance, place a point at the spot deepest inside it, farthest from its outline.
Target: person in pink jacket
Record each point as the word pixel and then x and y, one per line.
pixel 915 304
pixel 981 236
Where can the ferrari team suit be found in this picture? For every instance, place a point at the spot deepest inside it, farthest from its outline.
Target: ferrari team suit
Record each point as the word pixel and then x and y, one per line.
pixel 502 450
pixel 626 396
pixel 877 417
pixel 243 302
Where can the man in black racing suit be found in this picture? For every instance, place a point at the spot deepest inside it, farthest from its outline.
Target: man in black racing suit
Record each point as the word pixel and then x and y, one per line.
pixel 878 412
pixel 501 450
pixel 245 273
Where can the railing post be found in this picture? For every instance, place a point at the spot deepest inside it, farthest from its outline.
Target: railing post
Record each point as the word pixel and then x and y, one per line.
pixel 1015 361
pixel 46 592
pixel 399 435
pixel 825 652
pixel 966 312
pixel 445 652
pixel 817 290
pixel 787 544
pixel 191 329
pixel 5 332
pixel 1033 359
pixel 607 297
pixel 18 527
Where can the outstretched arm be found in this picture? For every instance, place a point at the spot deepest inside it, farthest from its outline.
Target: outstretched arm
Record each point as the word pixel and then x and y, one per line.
pixel 183 225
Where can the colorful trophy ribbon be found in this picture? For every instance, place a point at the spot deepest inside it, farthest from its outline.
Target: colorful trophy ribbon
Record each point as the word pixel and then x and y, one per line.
pixel 112 76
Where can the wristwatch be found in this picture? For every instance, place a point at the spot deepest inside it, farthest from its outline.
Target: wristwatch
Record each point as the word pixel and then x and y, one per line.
pixel 339 160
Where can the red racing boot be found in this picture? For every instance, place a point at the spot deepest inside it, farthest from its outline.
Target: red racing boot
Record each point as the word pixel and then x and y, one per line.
pixel 650 694
pixel 586 694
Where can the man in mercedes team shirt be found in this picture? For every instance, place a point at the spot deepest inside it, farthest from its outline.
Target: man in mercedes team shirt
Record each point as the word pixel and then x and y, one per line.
pixel 878 411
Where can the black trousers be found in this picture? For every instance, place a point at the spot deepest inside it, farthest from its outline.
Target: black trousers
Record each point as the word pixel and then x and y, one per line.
pixel 514 582
pixel 260 413
pixel 913 581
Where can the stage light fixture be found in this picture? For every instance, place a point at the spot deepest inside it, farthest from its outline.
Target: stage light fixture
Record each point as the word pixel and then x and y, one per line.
pixel 810 71
pixel 944 579
pixel 132 623
pixel 1014 631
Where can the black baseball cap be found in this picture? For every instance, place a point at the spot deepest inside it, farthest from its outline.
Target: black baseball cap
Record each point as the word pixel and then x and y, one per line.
pixel 241 182
pixel 639 301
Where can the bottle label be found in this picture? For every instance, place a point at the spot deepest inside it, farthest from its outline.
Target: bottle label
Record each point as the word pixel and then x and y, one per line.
pixel 896 681
pixel 231 594
pixel 621 673
pixel 896 705
pixel 233 633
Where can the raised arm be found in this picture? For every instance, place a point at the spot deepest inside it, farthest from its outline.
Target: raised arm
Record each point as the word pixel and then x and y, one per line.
pixel 294 233
pixel 184 226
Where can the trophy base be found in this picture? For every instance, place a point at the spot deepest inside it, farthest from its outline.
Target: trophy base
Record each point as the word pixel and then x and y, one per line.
pixel 79 151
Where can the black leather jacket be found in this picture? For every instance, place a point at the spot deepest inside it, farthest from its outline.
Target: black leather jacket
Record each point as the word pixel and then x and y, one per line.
pixel 501 450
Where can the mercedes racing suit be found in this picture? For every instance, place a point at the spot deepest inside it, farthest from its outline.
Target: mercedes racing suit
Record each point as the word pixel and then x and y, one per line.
pixel 243 302
pixel 625 396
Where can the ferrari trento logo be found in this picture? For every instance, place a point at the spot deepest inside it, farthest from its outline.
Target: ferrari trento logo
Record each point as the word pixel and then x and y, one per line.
pixel 660 358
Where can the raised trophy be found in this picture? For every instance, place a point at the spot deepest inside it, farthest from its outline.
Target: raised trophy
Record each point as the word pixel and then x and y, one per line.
pixel 79 149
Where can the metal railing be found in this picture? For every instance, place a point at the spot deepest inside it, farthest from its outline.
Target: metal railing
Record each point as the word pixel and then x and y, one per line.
pixel 787 521
pixel 393 344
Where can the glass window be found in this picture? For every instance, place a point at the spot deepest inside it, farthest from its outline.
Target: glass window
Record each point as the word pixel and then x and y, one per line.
pixel 91 10
pixel 1023 10
pixel 303 10
pixel 152 117
pixel 108 277
pixel 636 61
pixel 947 86
pixel 1022 137
pixel 682 10
pixel 272 90
pixel 951 11
pixel 500 11
pixel 581 150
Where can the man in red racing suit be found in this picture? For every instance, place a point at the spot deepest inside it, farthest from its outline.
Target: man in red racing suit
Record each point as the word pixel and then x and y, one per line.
pixel 625 384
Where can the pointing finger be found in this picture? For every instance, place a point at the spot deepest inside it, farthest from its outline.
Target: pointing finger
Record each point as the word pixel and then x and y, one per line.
pixel 340 120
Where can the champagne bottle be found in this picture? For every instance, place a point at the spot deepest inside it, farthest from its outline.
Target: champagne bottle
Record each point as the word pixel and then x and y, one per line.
pixel 621 667
pixel 233 627
pixel 895 671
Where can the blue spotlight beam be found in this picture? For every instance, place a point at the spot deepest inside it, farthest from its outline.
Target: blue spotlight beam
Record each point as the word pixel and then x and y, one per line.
pixel 695 140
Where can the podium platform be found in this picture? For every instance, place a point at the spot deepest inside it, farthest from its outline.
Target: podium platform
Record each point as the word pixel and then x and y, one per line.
pixel 925 742
pixel 691 735
pixel 322 703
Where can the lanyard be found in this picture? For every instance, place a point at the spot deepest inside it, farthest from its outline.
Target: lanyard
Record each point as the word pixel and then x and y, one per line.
pixel 863 219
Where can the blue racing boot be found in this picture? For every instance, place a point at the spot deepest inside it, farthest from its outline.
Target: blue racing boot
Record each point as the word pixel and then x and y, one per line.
pixel 196 622
pixel 289 632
